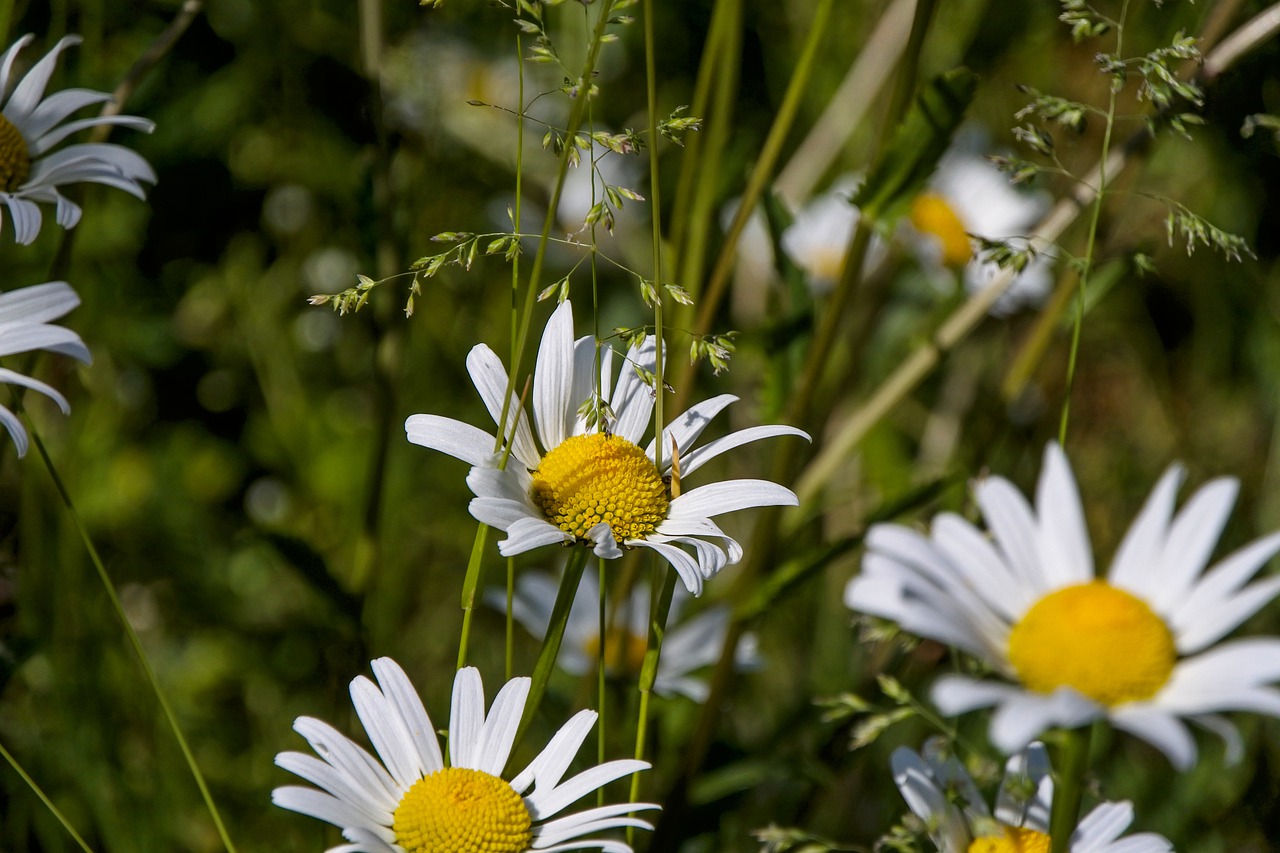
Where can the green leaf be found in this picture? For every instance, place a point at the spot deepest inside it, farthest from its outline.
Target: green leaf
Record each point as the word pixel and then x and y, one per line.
pixel 917 144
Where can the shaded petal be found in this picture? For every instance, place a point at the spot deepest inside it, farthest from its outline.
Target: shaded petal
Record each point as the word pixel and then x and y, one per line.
pixel 38 303
pixel 525 534
pixel 499 731
pixel 686 428
pixel 632 399
pixel 543 804
pixel 548 768
pixel 698 457
pixel 490 379
pixel 408 705
pixel 460 440
pixel 1158 728
pixel 553 411
pixel 686 567
pixel 26 96
pixel 326 807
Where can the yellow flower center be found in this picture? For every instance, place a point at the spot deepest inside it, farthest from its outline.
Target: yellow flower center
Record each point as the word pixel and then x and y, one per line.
pixel 457 810
pixel 1014 840
pixel 1102 641
pixel 599 477
pixel 931 214
pixel 15 159
pixel 623 651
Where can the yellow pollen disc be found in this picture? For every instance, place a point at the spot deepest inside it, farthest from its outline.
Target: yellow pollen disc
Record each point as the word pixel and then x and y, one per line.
pixel 457 810
pixel 592 478
pixel 623 651
pixel 1102 641
pixel 931 214
pixel 15 159
pixel 1014 840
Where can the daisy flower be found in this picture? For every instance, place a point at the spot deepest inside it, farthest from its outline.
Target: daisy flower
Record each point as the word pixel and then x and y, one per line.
pixel 968 195
pixel 32 125
pixel 819 237
pixel 584 484
pixel 689 644
pixel 940 792
pixel 411 802
pixel 1139 648
pixel 24 326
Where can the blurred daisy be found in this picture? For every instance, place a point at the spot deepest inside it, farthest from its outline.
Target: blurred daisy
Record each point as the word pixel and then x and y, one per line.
pixel 690 645
pixel 32 125
pixel 24 326
pixel 591 485
pixel 411 802
pixel 1139 648
pixel 968 195
pixel 940 792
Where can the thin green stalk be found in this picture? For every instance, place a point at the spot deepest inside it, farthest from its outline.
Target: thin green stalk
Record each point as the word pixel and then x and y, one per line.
pixel 659 610
pixel 107 584
pixel 555 634
pixel 1072 764
pixel 509 655
pixel 44 798
pixel 655 207
pixel 469 584
pixel 1096 214
pixel 602 662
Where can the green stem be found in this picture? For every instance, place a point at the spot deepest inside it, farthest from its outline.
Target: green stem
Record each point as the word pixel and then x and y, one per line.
pixel 145 663
pixel 602 641
pixel 655 207
pixel 1094 217
pixel 469 584
pixel 1073 765
pixel 555 633
pixel 44 798
pixel 659 610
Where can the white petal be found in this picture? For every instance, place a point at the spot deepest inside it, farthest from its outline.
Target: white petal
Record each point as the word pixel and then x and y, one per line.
pixel 400 693
pixel 729 496
pixel 553 411
pixel 1139 553
pixel 325 807
pixel 686 567
pixel 1023 717
pixel 592 820
pixel 606 546
pixel 1026 792
pixel 352 760
pixel 698 457
pixel 460 440
pixel 466 718
pixel 386 732
pixel 686 428
pixel 490 379
pixel 1190 542
pixel 324 775
pixel 13 425
pixel 1064 542
pixel 501 513
pixel 38 303
pixel 543 804
pixel 525 534
pixel 15 378
pixel 26 96
pixel 632 399
pixel 1158 728
pixel 499 731
pixel 548 768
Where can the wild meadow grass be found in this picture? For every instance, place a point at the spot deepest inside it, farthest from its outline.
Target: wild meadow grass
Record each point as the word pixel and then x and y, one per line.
pixel 976 275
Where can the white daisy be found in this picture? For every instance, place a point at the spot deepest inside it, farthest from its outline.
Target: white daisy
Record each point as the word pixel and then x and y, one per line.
pixel 32 125
pixel 588 485
pixel 940 792
pixel 819 237
pixel 412 802
pixel 969 195
pixel 688 645
pixel 24 326
pixel 1139 648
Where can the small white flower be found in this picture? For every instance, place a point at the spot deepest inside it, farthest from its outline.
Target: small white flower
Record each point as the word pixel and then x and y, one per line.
pixel 688 645
pixel 940 792
pixel 24 326
pixel 819 237
pixel 1140 648
pixel 969 195
pixel 32 125
pixel 411 802
pixel 594 486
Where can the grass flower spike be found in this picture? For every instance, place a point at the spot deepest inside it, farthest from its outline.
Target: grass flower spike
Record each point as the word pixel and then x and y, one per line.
pixel 411 802
pixel 689 644
pixel 594 486
pixel 940 792
pixel 31 127
pixel 24 326
pixel 1140 647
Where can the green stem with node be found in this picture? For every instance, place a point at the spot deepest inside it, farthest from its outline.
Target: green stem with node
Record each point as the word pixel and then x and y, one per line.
pixel 1073 765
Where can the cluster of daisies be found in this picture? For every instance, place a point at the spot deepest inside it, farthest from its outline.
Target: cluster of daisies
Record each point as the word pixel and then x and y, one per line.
pixel 34 167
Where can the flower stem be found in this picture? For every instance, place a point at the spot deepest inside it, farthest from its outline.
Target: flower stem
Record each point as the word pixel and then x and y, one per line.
pixel 44 798
pixel 555 633
pixel 145 663
pixel 1073 764
pixel 655 215
pixel 659 609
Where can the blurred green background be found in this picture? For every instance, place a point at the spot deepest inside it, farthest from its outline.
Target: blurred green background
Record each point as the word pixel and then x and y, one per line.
pixel 238 455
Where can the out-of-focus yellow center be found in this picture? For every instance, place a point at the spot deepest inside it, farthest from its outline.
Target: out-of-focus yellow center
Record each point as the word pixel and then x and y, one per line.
pixel 623 651
pixel 1014 840
pixel 599 477
pixel 15 159
pixel 1100 640
pixel 458 810
pixel 932 214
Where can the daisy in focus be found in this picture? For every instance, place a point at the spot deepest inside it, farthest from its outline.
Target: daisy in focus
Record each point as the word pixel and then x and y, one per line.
pixel 411 802
pixel 25 326
pixel 940 792
pixel 968 195
pixel 31 127
pixel 585 484
pixel 1139 648
pixel 689 644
